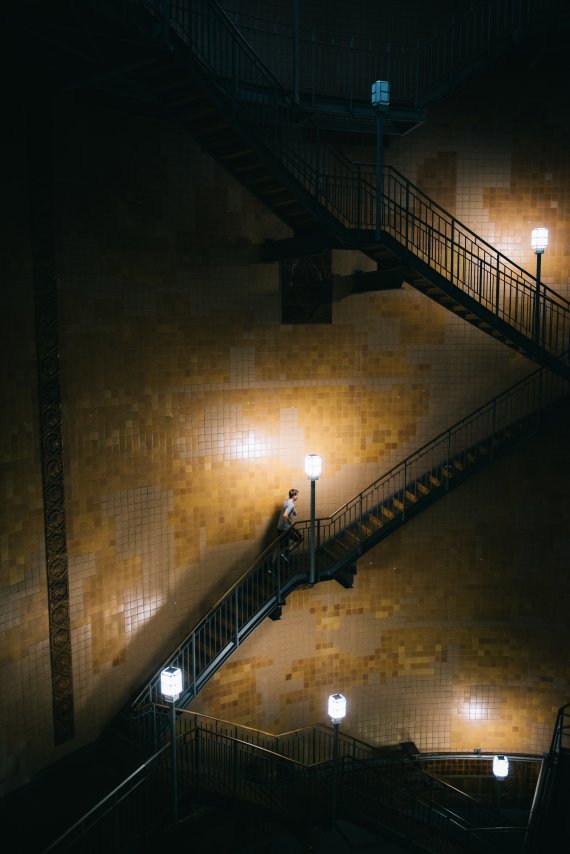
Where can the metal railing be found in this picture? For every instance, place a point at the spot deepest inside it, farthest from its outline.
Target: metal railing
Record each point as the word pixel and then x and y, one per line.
pixel 122 820
pixel 554 779
pixel 315 63
pixel 450 249
pixel 380 788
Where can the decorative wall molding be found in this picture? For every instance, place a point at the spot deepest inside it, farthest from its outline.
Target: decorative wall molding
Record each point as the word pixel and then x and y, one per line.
pixel 49 417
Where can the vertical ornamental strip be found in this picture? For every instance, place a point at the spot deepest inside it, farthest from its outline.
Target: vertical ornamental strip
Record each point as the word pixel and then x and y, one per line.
pixel 49 418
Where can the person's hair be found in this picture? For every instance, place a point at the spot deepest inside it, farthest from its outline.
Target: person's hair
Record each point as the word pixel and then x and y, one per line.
pixel 293 492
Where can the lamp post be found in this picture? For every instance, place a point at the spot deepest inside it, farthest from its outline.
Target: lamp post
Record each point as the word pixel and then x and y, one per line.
pixel 539 242
pixel 337 713
pixel 380 98
pixel 313 466
pixel 501 772
pixel 171 688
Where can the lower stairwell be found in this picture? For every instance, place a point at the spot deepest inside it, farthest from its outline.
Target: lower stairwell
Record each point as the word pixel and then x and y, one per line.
pixel 302 780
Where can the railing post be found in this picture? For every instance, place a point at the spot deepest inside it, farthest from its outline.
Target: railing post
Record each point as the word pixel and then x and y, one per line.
pixel 417 75
pixel 358 196
pixel 497 291
pixel 494 429
pixel 452 247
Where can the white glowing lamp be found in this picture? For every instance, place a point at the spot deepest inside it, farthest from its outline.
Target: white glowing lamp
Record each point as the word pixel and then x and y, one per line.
pixel 313 466
pixel 380 94
pixel 337 708
pixel 171 683
pixel 500 767
pixel 539 240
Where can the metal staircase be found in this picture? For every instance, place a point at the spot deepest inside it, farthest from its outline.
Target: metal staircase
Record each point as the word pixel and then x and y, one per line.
pixel 340 540
pixel 187 62
pixel 302 779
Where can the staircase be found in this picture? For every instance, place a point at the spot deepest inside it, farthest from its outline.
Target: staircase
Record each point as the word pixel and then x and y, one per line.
pixel 201 73
pixel 187 62
pixel 340 540
pixel 302 779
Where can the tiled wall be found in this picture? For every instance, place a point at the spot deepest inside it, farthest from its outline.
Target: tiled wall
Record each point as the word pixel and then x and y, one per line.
pixel 187 410
pixel 454 635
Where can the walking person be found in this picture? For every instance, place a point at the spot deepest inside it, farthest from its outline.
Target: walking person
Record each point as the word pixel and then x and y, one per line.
pixel 287 521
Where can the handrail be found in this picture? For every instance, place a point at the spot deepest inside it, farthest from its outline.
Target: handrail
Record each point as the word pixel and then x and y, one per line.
pixel 138 794
pixel 549 782
pixel 267 583
pixel 523 399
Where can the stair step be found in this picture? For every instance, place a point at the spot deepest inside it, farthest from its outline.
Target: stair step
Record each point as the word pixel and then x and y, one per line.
pixel 363 530
pixel 351 538
pixel 336 549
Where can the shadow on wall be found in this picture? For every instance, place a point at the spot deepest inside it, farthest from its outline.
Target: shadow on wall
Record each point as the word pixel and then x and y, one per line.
pixel 271 533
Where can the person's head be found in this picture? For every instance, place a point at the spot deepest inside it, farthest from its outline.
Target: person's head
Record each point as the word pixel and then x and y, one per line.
pixel 294 494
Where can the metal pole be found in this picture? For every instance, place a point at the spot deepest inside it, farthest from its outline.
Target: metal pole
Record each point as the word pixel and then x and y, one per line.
pixel 312 571
pixel 537 299
pixel 334 771
pixel 379 178
pixel 296 50
pixel 173 760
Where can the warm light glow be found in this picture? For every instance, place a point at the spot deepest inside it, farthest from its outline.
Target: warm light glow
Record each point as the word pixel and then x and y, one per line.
pixel 337 708
pixel 313 466
pixel 380 93
pixel 500 767
pixel 171 683
pixel 475 710
pixel 539 240
pixel 247 446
